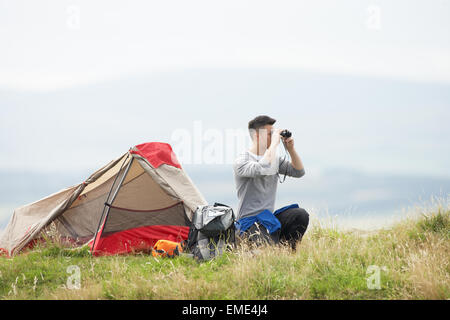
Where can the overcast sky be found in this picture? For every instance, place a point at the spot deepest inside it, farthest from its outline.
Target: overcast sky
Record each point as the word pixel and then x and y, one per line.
pixel 51 46
pixel 58 43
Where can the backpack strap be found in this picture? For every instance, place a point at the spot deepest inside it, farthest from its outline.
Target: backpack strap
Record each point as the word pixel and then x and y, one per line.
pixel 217 204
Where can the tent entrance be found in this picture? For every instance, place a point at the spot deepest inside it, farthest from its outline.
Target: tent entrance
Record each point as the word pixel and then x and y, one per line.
pixel 130 230
pixel 138 214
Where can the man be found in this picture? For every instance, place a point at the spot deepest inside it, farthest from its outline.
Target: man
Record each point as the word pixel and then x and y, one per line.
pixel 256 172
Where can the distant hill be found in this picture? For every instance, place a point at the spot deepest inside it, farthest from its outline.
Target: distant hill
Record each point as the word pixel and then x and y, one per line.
pixel 375 122
pixel 345 192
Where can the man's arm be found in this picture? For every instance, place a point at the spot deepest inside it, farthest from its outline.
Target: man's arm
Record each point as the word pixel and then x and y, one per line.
pixel 268 164
pixel 295 168
pixel 248 168
pixel 270 156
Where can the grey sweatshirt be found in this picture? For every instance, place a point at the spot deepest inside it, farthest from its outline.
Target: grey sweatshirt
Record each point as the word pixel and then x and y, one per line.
pixel 257 181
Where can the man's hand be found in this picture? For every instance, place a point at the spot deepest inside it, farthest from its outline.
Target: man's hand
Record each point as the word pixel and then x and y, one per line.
pixel 295 158
pixel 289 143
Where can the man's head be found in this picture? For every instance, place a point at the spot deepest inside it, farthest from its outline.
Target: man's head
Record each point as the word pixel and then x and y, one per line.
pixel 261 131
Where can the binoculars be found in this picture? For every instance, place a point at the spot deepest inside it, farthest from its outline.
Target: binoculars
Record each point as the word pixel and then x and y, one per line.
pixel 286 134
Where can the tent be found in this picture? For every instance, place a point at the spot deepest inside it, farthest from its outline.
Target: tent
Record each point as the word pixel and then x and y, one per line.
pixel 129 204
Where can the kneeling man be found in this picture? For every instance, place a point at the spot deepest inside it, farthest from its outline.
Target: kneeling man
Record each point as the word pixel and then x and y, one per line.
pixel 257 172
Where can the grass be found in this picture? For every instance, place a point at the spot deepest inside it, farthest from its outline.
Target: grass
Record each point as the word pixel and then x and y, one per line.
pixel 411 259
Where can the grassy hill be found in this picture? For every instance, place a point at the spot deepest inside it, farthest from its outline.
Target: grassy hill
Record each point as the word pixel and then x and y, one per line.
pixel 411 259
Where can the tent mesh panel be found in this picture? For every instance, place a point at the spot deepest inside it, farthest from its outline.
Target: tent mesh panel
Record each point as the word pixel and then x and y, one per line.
pixel 81 222
pixel 120 219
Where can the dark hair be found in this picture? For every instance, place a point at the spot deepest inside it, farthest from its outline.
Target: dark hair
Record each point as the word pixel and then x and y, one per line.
pixel 260 121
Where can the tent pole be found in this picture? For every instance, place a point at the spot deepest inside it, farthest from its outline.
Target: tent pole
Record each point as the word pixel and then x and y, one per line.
pixel 121 181
pixel 115 194
pixel 106 208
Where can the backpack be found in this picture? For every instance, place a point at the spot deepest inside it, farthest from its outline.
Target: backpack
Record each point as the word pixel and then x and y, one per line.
pixel 211 232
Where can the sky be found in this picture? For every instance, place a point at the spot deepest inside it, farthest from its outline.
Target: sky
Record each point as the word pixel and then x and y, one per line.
pixel 60 43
